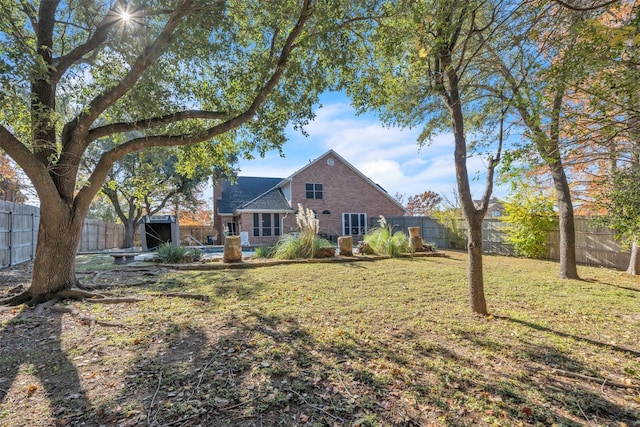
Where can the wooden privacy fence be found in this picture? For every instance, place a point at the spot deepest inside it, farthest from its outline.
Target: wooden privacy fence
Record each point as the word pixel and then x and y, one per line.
pixel 19 233
pixel 192 235
pixel 595 246
pixel 99 235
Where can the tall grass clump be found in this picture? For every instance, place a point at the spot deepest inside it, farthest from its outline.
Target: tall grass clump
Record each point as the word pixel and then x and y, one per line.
pixel 172 254
pixel 305 243
pixel 384 241
pixel 263 251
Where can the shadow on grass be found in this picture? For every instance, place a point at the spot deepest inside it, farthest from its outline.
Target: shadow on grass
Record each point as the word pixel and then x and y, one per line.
pixel 600 282
pixel 218 285
pixel 537 327
pixel 258 368
pixel 30 344
pixel 580 399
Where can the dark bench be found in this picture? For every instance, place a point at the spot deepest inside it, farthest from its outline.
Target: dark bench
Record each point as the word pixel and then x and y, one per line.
pixel 123 258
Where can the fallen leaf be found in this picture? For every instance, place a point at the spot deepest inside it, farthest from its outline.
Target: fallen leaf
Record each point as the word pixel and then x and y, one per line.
pixel 526 410
pixel 31 390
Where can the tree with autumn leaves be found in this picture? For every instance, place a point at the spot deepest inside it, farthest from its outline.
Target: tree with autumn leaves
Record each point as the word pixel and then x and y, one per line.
pixel 11 187
pixel 422 204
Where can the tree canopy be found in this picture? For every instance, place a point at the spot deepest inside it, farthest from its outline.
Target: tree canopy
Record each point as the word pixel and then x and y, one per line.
pixel 154 74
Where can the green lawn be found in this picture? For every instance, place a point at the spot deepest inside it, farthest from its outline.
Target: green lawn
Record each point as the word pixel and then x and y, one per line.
pixel 389 342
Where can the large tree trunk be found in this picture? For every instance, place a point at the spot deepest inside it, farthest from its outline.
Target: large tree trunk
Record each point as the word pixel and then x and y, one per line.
pixel 634 262
pixel 477 300
pixel 568 266
pixel 129 233
pixel 54 265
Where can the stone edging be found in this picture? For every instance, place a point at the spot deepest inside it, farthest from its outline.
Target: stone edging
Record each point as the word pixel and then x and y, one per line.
pixel 255 263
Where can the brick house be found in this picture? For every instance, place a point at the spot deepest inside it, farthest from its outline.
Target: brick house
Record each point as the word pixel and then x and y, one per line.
pixel 262 209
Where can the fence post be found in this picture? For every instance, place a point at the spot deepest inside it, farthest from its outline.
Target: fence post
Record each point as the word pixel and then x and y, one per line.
pixel 10 221
pixel 34 236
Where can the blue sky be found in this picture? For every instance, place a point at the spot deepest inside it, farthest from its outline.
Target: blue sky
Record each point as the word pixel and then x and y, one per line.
pixel 391 157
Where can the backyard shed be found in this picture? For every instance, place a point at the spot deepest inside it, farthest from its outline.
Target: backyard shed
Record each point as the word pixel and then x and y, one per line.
pixel 159 229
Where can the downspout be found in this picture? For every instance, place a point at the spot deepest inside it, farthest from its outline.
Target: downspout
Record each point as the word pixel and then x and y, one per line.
pixel 286 214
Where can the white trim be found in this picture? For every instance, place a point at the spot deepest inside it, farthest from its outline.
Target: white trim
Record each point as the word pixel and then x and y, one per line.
pixel 366 221
pixel 274 224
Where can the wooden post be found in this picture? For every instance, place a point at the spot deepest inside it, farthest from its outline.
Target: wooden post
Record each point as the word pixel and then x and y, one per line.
pixel 345 243
pixel 232 249
pixel 415 241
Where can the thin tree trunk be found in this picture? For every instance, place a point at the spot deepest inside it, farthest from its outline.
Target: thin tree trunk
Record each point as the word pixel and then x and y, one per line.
pixel 477 299
pixel 568 266
pixel 634 262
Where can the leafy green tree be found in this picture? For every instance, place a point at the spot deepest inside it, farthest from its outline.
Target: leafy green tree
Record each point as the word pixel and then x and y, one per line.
pixel 622 206
pixel 530 215
pixel 157 74
pixel 145 182
pixel 142 183
pixel 102 209
pixel 606 117
pixel 428 66
pixel 541 70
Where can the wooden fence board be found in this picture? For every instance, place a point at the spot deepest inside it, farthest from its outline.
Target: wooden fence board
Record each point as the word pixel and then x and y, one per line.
pixel 595 246
pixel 19 233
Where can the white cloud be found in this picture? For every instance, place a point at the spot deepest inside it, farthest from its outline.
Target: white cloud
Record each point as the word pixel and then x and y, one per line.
pixel 391 157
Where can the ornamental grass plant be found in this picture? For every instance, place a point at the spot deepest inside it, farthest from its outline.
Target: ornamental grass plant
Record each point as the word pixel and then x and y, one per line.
pixel 384 241
pixel 303 244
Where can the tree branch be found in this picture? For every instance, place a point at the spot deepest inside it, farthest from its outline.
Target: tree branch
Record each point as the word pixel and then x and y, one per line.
pixel 494 161
pixel 20 154
pixel 113 128
pixel 85 195
pixel 585 9
pixel 111 18
pixel 63 63
pixel 80 125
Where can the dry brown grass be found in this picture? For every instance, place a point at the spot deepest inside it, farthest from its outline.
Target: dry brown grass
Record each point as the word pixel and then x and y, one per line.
pixel 389 342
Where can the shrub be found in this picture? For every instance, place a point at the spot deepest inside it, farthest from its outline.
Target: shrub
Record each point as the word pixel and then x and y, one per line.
pixel 172 254
pixel 530 216
pixel 195 254
pixel 264 251
pixel 384 241
pixel 451 219
pixel 287 247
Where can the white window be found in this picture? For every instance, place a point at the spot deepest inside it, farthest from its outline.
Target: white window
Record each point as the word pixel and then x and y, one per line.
pixel 266 224
pixel 354 224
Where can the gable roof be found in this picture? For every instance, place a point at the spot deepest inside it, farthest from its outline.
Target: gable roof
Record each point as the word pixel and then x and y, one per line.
pixel 348 165
pixel 272 200
pixel 265 194
pixel 245 190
